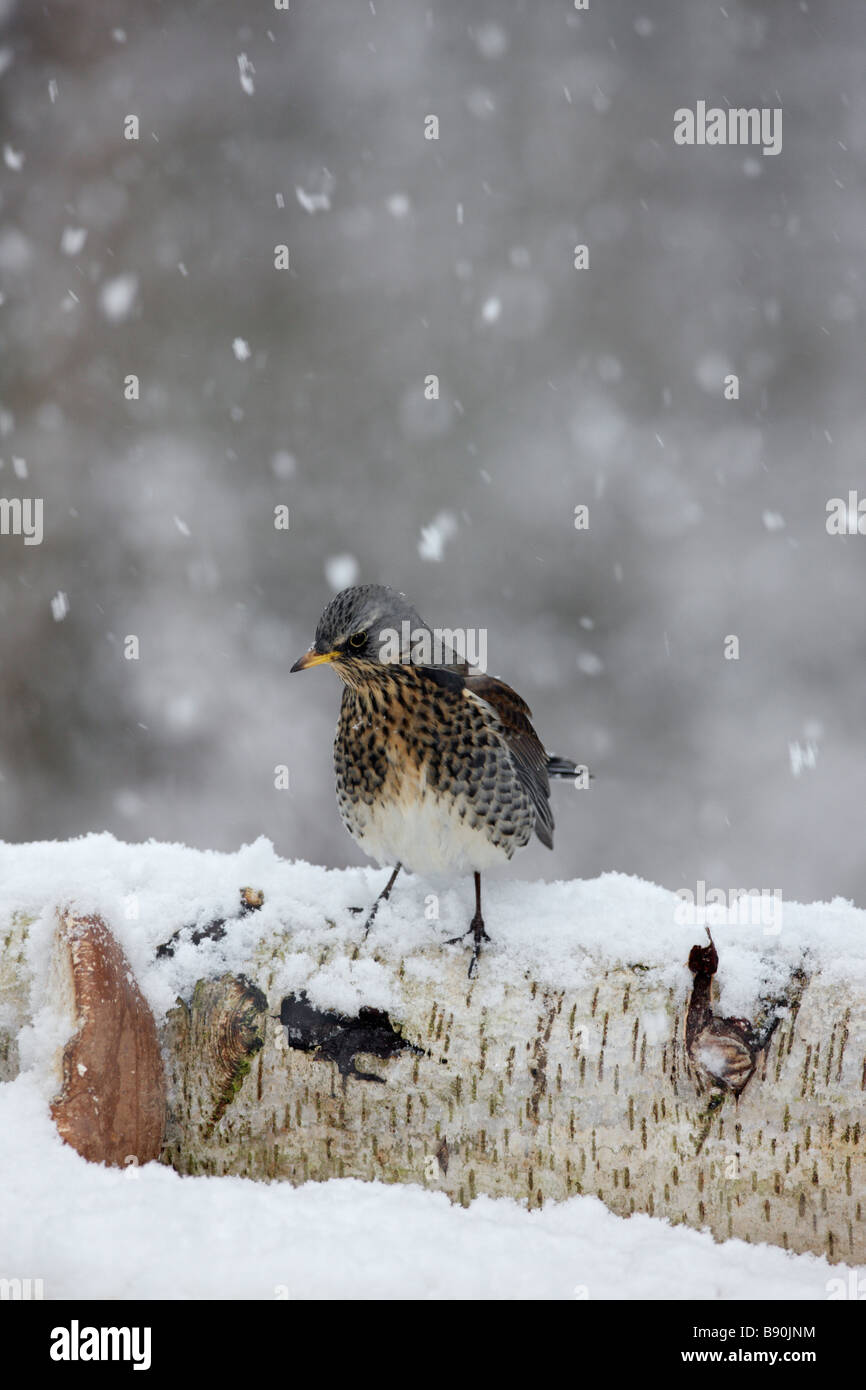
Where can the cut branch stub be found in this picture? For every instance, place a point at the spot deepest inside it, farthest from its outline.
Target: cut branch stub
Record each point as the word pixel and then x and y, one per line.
pixel 112 1105
pixel 222 1028
pixel 725 1051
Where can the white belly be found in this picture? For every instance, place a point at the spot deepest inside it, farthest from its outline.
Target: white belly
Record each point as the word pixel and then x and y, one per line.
pixel 426 835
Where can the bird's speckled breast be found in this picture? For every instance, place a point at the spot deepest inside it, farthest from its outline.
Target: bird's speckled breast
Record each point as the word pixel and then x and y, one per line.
pixel 424 778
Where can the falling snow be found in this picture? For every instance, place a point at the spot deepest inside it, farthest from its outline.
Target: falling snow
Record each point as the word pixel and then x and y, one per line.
pixel 59 606
pixel 802 757
pixel 246 72
pixel 341 571
pixel 117 297
pixel 73 239
pixel 436 536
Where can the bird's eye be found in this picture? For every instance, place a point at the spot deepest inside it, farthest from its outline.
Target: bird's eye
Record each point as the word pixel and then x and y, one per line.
pixel 358 639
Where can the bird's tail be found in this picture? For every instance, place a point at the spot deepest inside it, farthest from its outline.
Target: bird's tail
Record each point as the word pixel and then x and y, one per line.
pixel 560 767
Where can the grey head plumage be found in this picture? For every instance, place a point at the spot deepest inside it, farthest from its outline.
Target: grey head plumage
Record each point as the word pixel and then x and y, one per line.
pixel 372 624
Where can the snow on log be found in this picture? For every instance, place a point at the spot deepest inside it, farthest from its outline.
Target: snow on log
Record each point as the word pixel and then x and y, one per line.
pixel 603 1048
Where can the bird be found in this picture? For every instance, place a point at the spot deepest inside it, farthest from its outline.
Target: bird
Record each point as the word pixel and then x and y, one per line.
pixel 438 768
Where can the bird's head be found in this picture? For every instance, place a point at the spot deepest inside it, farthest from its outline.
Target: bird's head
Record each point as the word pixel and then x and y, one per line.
pixel 355 634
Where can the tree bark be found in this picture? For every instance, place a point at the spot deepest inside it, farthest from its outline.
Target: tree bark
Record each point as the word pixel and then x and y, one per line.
pixel 538 1094
pixel 548 1094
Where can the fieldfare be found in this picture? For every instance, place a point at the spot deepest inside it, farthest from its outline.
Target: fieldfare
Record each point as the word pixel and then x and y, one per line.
pixel 439 769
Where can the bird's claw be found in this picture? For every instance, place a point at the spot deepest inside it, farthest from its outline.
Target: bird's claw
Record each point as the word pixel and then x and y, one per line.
pixel 476 927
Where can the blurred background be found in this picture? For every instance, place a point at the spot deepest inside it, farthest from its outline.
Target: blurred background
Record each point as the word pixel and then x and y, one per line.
pixel 304 387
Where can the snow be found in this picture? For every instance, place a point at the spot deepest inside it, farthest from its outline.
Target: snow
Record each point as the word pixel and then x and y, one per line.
pixel 118 296
pixel 312 202
pixel 284 464
pixel 317 198
pixel 241 349
pixel 590 663
pixel 72 240
pixel 711 370
pixel 246 73
pixel 146 1232
pixel 436 536
pixel 802 757
pixel 73 1223
pixel 341 571
pixel 59 606
pixel 558 931
pixel 492 41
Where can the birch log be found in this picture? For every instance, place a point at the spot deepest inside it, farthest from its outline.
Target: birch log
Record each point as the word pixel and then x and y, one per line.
pixel 549 1094
pixel 525 1091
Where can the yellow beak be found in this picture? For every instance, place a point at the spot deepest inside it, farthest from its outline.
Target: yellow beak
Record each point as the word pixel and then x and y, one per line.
pixel 314 658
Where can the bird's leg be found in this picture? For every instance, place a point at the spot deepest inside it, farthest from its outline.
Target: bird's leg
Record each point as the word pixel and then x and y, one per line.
pixel 476 927
pixel 385 893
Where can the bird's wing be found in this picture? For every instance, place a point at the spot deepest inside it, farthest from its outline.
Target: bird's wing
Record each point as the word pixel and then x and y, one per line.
pixel 522 742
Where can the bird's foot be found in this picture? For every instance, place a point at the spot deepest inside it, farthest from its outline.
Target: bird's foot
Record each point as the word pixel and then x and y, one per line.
pixel 371 914
pixel 371 919
pixel 476 927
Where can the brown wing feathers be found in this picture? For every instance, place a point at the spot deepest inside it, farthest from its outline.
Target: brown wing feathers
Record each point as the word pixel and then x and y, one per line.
pixel 527 751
